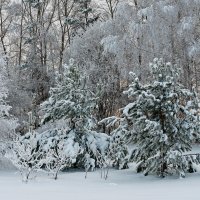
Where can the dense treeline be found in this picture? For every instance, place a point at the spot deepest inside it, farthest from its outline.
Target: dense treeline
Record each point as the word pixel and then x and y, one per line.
pixel 106 41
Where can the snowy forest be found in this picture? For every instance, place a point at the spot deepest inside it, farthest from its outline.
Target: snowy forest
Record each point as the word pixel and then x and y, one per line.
pixel 99 86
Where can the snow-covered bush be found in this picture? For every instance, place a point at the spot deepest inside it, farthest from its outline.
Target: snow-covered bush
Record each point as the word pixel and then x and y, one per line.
pixel 60 157
pixel 26 154
pixel 62 149
pixel 97 149
pixel 117 152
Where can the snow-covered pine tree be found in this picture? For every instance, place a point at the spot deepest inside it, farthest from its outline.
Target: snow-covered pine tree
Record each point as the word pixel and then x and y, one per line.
pixel 72 101
pixel 165 119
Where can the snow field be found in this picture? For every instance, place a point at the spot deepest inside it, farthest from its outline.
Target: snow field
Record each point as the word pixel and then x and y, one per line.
pixel 121 185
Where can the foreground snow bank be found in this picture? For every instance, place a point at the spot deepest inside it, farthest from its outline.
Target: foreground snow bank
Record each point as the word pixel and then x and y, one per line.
pixel 121 185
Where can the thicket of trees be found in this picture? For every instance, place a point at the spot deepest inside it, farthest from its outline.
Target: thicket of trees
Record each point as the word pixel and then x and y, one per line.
pixel 67 63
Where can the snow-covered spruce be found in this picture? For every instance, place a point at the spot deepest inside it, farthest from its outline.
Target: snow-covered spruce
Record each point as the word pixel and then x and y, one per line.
pixel 70 100
pixel 162 121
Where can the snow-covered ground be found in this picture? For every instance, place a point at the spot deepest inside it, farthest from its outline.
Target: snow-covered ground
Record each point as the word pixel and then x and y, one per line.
pixel 121 185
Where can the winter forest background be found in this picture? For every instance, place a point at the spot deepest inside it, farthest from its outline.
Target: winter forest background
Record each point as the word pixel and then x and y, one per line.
pixel 88 84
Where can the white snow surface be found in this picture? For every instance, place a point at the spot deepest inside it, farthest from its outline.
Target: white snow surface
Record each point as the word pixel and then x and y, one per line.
pixel 121 185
